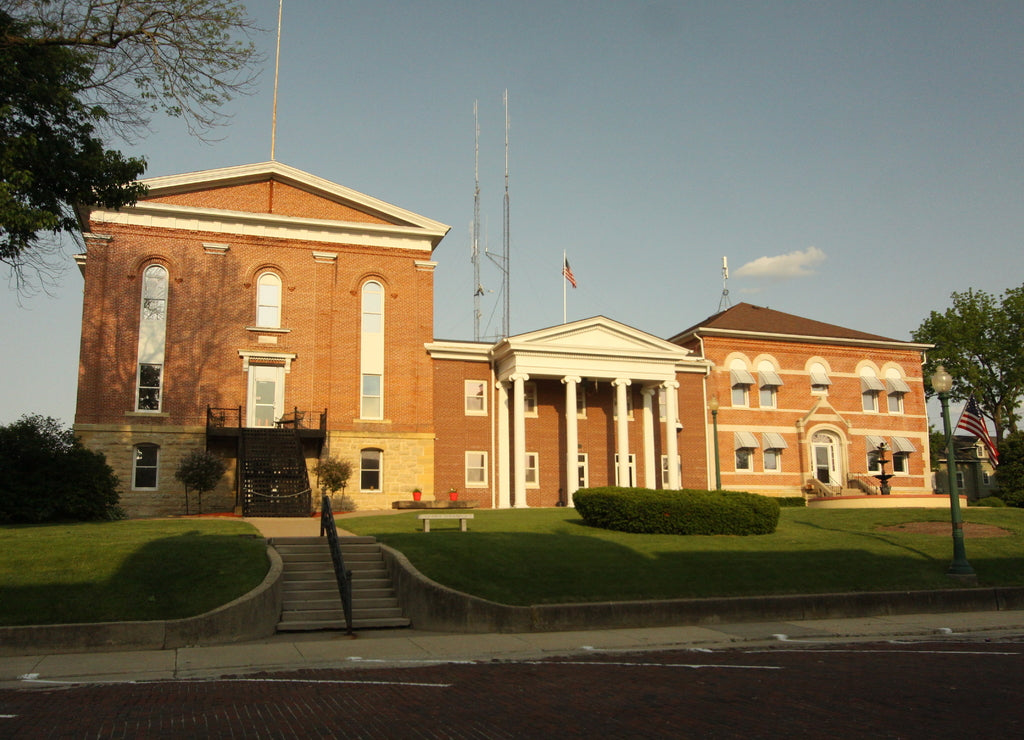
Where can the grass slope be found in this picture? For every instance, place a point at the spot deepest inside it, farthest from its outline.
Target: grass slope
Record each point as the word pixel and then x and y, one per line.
pixel 550 556
pixel 128 570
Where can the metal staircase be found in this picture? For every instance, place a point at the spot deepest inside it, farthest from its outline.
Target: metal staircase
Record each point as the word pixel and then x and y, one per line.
pixel 311 598
pixel 274 480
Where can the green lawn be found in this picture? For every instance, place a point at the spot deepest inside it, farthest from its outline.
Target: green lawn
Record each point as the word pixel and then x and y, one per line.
pixel 127 570
pixel 550 556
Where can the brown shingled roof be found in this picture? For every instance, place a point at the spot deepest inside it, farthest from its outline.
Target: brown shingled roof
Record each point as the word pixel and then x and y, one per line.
pixel 749 318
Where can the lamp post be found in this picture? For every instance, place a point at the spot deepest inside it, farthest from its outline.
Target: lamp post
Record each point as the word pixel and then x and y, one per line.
pixel 942 383
pixel 713 405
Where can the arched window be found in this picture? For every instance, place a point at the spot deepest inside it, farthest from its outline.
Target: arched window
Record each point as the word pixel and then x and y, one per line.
pixel 152 339
pixel 768 382
pixel 819 378
pixel 145 467
pixel 268 301
pixel 371 463
pixel 740 380
pixel 897 387
pixel 371 354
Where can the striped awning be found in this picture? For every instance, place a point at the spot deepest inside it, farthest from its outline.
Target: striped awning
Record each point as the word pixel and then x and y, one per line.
pixel 741 377
pixel 769 378
pixel 870 383
pixel 744 440
pixel 897 385
pixel 773 441
pixel 874 442
pixel 902 444
pixel 819 378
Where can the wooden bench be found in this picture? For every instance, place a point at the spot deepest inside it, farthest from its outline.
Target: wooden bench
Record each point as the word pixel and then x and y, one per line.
pixel 463 520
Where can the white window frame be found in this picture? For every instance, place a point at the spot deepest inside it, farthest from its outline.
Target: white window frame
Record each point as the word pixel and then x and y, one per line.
pixel 632 471
pixel 152 335
pixel 269 294
pixel 363 471
pixel 896 399
pixel 476 469
pixel 903 467
pixel 475 397
pixel 773 455
pixel 869 402
pixel 748 453
pixel 664 469
pixel 371 349
pixel 155 467
pixel 769 392
pixel 530 398
pixel 818 372
pixel 532 470
pixel 583 470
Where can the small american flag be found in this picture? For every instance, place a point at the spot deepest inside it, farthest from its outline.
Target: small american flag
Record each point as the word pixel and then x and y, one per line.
pixel 972 421
pixel 567 272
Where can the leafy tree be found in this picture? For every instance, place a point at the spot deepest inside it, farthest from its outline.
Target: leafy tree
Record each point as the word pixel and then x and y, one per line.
pixel 49 476
pixel 1010 473
pixel 201 471
pixel 978 341
pixel 76 69
pixel 333 473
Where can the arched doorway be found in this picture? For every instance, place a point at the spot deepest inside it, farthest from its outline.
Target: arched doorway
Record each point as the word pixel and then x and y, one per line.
pixel 825 458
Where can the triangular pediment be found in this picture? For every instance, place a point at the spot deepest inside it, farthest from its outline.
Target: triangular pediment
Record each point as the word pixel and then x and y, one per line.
pixel 598 334
pixel 273 200
pixel 596 348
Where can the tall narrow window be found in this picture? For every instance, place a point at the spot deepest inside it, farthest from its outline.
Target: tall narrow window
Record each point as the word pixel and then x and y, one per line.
pixel 474 397
pixel 370 464
pixel 740 379
pixel 268 301
pixel 371 356
pixel 145 467
pixel 870 387
pixel 152 340
pixel 897 387
pixel 532 475
pixel 768 382
pixel 819 378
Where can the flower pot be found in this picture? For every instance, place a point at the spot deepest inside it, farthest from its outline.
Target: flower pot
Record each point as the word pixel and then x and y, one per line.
pixel 453 495
pixel 417 495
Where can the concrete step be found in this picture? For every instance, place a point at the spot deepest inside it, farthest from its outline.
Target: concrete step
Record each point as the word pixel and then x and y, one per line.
pixel 314 625
pixel 384 602
pixel 339 614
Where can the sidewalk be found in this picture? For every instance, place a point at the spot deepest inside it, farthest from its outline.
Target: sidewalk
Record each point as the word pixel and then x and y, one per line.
pixel 373 649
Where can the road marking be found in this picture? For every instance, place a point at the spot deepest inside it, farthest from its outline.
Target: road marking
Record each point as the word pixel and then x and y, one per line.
pixel 650 665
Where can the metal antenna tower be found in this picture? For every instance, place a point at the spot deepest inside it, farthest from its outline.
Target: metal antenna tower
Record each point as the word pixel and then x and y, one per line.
pixel 724 301
pixel 505 233
pixel 478 289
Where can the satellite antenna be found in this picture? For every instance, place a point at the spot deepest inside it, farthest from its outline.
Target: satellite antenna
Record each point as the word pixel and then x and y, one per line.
pixel 724 301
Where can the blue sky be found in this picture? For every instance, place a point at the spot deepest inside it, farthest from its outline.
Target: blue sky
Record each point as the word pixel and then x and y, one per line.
pixel 857 162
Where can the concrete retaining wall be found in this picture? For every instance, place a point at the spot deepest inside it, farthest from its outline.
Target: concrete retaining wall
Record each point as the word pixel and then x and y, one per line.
pixel 249 617
pixel 432 606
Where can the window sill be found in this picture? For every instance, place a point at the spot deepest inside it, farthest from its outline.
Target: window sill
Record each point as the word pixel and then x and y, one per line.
pixel 267 330
pixel 150 414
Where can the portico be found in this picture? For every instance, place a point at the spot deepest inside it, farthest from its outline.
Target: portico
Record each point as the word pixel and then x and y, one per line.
pixel 591 360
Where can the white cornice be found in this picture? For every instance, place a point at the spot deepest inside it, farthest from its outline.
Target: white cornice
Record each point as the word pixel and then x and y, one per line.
pixel 773 337
pixel 466 351
pixel 217 221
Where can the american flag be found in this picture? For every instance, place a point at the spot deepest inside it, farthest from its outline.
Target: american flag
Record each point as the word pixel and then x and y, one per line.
pixel 567 272
pixel 973 422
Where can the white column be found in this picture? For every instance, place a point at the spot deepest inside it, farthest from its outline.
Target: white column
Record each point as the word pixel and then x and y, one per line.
pixel 672 433
pixel 572 444
pixel 519 437
pixel 622 428
pixel 650 463
pixel 504 479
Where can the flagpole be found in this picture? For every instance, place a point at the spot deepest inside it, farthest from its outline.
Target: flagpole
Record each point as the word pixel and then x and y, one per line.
pixel 564 281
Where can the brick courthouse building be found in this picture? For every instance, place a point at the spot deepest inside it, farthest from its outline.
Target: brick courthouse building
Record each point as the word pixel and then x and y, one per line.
pixel 274 318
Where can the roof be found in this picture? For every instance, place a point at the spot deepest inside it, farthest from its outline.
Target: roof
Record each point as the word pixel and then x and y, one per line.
pixel 746 318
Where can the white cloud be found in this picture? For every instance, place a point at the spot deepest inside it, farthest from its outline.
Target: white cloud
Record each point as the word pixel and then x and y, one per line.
pixel 794 264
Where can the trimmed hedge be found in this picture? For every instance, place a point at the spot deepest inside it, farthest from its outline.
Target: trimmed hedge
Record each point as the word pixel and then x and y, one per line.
pixel 643 511
pixel 798 502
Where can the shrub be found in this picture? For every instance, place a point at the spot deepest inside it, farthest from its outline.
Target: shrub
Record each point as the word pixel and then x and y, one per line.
pixel 49 476
pixel 644 511
pixel 797 502
pixel 993 501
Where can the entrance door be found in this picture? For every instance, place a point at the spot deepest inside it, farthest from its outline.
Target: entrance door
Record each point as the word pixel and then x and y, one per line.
pixel 266 395
pixel 826 465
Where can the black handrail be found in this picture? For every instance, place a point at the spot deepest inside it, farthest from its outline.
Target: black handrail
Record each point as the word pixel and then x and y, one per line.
pixel 344 577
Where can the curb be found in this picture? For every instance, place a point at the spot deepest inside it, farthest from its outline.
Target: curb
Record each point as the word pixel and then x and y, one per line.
pixel 434 607
pixel 251 616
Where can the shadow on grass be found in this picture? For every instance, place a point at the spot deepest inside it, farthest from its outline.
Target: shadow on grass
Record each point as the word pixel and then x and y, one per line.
pixel 532 568
pixel 166 578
